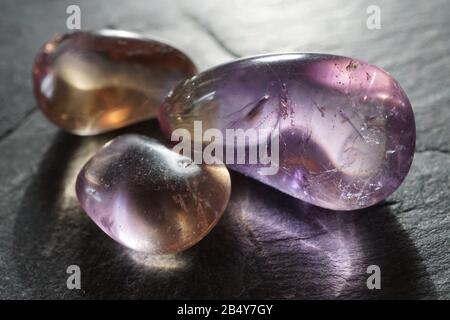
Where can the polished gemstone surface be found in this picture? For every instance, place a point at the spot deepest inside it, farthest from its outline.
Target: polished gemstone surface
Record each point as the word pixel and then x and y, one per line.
pixel 149 198
pixel 346 128
pixel 92 82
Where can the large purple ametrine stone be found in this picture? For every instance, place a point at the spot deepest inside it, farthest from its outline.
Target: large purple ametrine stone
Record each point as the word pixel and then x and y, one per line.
pixel 346 128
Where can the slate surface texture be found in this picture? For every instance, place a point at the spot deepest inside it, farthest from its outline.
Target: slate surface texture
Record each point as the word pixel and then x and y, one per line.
pixel 268 245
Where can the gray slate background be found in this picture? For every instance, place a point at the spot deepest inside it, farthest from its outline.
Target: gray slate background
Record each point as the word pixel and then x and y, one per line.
pixel 267 245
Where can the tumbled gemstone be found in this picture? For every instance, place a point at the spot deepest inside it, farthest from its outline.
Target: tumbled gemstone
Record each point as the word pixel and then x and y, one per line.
pixel 346 128
pixel 92 82
pixel 149 198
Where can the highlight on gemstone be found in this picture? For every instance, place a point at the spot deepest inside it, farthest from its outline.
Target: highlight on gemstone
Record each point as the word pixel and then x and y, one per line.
pixel 93 82
pixel 346 128
pixel 149 198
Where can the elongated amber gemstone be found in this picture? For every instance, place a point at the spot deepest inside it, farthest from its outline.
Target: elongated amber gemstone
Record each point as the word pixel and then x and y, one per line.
pixel 92 82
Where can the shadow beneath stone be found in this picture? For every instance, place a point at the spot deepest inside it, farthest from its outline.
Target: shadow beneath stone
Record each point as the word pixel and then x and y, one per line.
pixel 50 225
pixel 267 245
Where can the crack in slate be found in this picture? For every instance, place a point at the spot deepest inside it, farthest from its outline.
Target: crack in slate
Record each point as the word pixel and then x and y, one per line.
pixel 406 210
pixel 18 124
pixel 212 34
pixel 441 151
pixel 386 203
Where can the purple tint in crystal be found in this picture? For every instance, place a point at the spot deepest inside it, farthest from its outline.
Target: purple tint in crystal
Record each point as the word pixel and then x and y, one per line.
pixel 346 128
pixel 149 198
